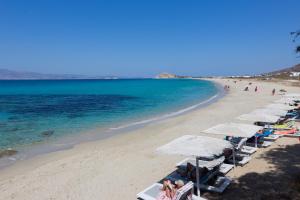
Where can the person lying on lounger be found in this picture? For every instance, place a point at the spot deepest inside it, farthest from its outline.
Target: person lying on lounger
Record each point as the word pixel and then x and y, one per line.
pixel 167 191
pixel 189 172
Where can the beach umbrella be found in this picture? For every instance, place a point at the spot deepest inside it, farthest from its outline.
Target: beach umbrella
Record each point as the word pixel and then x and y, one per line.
pixel 235 130
pixel 280 106
pixel 197 147
pixel 269 111
pixel 259 117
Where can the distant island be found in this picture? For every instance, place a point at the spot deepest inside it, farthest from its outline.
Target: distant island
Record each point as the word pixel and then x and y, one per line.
pixel 6 74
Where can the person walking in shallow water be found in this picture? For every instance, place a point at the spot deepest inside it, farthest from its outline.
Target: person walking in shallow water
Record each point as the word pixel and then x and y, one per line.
pixel 273 92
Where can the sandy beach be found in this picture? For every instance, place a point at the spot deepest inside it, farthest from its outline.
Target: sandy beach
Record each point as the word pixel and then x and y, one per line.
pixel 121 166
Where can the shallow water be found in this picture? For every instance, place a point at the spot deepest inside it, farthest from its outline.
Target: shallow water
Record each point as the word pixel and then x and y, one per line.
pixel 38 110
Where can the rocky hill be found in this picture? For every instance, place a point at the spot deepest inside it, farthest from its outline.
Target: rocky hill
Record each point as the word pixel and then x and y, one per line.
pixel 286 73
pixel 166 75
pixel 295 68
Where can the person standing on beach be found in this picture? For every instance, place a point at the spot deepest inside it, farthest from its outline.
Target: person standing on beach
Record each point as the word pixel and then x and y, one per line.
pixel 273 92
pixel 255 89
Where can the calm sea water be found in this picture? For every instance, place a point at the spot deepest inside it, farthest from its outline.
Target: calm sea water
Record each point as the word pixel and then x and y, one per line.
pixel 36 110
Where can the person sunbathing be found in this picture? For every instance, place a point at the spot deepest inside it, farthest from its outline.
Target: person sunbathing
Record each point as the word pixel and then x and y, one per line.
pixel 167 192
pixel 286 132
pixel 189 172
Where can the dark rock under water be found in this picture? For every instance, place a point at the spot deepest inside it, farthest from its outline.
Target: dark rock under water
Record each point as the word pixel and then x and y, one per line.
pixel 47 133
pixel 7 152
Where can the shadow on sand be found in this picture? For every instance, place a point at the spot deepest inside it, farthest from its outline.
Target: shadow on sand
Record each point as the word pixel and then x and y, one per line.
pixel 281 182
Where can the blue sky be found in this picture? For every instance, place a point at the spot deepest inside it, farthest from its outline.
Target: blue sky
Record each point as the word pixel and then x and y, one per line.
pixel 146 37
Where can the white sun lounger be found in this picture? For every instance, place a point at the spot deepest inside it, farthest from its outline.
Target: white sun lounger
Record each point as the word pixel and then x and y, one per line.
pixel 266 144
pixel 272 137
pixel 151 192
pixel 243 151
pixel 243 148
pixel 224 168
pixel 245 159
pixel 248 150
pixel 220 185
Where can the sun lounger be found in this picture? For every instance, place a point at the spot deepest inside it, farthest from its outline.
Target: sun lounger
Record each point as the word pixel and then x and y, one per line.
pixel 266 143
pixel 261 144
pixel 203 179
pixel 267 134
pixel 223 168
pixel 151 192
pixel 272 137
pixel 285 126
pixel 242 151
pixel 244 161
pixel 216 168
pixel 240 146
pixel 240 159
pixel 220 184
pixel 296 135
pixel 248 150
pixel 286 132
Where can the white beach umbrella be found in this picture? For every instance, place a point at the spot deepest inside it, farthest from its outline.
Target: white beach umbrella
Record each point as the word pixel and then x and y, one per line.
pixel 259 117
pixel 195 146
pixel 234 129
pixel 280 106
pixel 270 111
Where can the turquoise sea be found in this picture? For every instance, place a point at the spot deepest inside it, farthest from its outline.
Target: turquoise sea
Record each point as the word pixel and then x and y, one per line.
pixel 34 111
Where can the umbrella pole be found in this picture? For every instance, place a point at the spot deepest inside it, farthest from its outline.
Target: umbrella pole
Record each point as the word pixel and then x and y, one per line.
pixel 233 157
pixel 255 142
pixel 197 176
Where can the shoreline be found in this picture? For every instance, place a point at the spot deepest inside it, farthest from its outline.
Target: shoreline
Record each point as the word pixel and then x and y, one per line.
pixel 119 167
pixel 94 134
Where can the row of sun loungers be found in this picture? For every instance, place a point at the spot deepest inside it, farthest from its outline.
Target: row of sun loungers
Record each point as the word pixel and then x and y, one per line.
pixel 242 140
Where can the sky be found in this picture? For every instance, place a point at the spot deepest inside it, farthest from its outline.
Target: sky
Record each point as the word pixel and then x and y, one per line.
pixel 142 38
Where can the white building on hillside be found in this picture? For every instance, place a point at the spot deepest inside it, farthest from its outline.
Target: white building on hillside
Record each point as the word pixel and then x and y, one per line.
pixel 294 74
